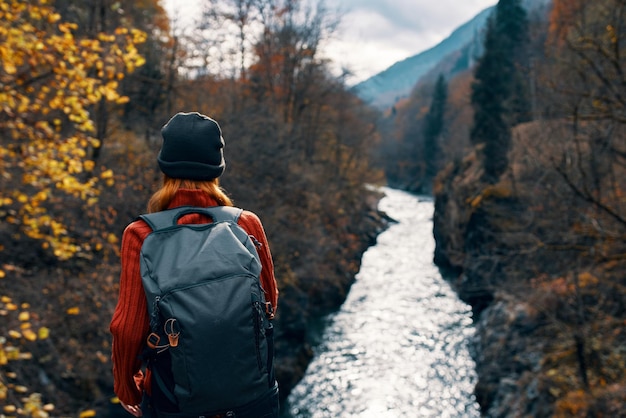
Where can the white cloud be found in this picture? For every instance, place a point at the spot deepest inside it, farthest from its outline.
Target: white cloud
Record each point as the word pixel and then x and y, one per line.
pixel 375 34
pixel 368 42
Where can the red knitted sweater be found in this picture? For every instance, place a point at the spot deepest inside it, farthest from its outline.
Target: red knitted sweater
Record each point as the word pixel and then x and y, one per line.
pixel 130 323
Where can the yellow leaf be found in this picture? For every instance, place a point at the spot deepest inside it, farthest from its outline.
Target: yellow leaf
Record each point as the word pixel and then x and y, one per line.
pixel 88 413
pixel 106 174
pixel 73 311
pixel 585 279
pixel 54 17
pixel 30 335
pixel 12 353
pixel 10 68
pixel 24 316
pixel 2 274
pixel 43 333
pixel 102 357
pixel 14 334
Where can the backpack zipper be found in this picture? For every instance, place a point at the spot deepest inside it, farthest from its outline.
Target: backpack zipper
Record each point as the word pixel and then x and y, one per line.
pixel 259 331
pixel 154 317
pixel 203 282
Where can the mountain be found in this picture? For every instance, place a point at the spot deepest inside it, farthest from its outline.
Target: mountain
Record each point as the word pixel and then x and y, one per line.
pixel 384 89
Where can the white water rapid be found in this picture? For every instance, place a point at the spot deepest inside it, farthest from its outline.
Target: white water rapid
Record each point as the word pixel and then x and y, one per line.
pixel 398 347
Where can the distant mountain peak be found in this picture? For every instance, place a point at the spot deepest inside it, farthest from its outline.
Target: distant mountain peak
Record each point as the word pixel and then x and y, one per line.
pixel 384 89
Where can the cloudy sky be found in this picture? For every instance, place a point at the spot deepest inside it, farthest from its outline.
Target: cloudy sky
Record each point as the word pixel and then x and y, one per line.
pixel 375 34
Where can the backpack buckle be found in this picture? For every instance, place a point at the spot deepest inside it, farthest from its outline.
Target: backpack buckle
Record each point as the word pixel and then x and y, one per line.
pixel 269 310
pixel 153 340
pixel 171 329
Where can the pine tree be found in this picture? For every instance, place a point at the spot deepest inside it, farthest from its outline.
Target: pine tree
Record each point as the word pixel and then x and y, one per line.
pixel 512 32
pixel 433 127
pixel 498 95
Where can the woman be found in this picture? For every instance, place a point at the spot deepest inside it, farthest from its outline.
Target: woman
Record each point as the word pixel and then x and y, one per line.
pixel 191 159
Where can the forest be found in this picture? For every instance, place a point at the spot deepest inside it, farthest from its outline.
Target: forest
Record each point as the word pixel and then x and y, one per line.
pixel 523 151
pixel 85 90
pixel 525 154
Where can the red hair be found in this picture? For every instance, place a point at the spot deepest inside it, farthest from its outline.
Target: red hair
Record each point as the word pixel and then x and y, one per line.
pixel 161 199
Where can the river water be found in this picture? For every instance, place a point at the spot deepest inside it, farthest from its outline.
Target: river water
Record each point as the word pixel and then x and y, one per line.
pixel 398 347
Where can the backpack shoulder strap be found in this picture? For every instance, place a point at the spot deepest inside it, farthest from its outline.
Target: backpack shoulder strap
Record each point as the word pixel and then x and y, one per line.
pixel 169 217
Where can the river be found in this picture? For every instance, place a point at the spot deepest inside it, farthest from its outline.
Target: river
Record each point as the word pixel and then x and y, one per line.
pixel 398 347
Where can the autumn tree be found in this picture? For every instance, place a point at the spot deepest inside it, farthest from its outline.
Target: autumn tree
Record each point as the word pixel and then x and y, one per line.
pixel 297 144
pixel 222 38
pixel 297 151
pixel 568 172
pixel 50 80
pixel 146 87
pixel 278 99
pixel 589 41
pixel 586 79
pixel 287 53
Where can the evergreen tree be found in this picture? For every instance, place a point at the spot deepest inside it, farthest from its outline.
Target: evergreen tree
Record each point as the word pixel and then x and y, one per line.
pixel 512 31
pixel 498 95
pixel 433 127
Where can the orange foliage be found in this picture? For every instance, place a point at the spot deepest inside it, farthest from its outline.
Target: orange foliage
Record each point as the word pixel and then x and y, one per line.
pixel 574 404
pixel 563 16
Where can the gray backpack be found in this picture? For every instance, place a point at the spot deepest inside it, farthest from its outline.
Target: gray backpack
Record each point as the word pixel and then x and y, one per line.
pixel 210 347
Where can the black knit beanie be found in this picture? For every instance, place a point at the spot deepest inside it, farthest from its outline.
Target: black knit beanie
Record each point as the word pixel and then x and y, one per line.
pixel 192 147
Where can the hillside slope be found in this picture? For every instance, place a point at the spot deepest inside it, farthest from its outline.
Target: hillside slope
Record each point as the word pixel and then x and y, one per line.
pixel 386 87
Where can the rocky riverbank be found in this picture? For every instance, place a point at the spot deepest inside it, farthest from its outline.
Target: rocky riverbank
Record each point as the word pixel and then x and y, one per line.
pixel 301 307
pixel 546 290
pixel 68 307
